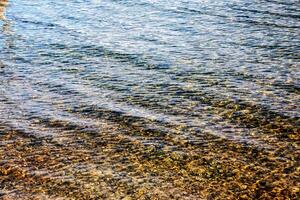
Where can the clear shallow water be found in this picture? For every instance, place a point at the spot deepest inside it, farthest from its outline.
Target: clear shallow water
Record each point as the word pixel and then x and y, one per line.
pixel 150 99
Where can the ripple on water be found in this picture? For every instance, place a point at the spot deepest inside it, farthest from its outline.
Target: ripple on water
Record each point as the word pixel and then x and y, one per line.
pixel 149 99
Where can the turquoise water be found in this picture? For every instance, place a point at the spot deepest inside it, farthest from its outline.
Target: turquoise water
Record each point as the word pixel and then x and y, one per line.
pixel 190 78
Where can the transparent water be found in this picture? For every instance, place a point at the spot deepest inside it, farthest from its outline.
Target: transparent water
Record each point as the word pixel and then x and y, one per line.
pixel 149 99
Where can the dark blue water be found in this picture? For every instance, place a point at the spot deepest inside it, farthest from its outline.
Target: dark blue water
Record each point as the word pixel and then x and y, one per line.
pixel 176 76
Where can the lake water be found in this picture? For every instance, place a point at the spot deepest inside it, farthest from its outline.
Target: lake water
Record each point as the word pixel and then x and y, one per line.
pixel 150 99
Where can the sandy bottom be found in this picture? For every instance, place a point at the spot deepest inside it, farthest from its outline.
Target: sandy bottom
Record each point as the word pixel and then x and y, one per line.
pixel 115 164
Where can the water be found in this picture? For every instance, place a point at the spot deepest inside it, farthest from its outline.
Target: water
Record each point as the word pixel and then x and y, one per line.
pixel 149 99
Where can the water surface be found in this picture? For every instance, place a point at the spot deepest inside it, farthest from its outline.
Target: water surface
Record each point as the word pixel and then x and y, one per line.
pixel 149 99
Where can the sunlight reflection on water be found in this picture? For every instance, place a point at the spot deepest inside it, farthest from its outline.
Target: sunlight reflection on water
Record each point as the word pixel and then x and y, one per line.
pixel 149 99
